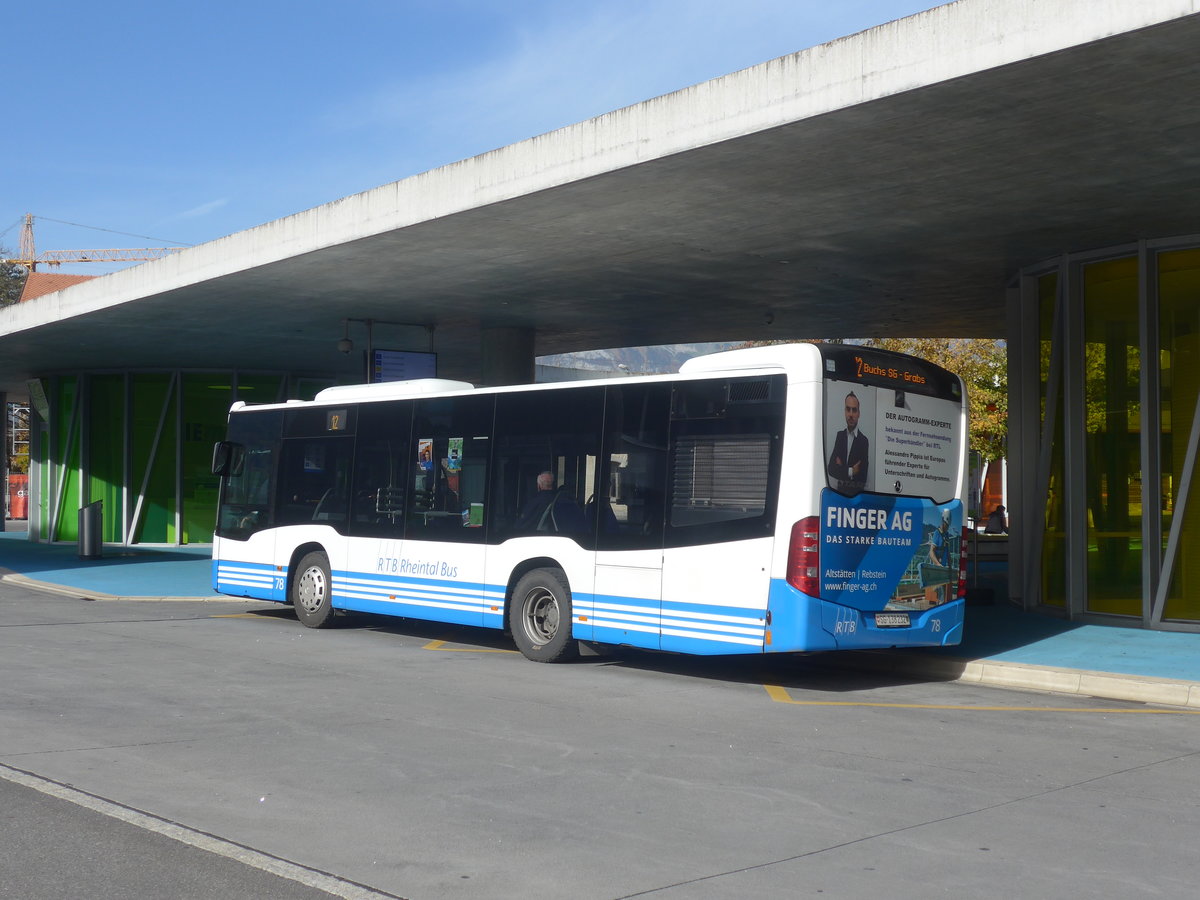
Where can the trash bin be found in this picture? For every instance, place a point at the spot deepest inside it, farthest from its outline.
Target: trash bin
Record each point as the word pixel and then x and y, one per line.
pixel 18 499
pixel 91 530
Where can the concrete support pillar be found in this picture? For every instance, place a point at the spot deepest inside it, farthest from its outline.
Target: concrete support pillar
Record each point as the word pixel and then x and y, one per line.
pixel 507 356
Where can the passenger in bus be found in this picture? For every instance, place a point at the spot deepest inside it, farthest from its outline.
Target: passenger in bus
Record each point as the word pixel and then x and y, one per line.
pixel 451 497
pixel 848 462
pixel 538 504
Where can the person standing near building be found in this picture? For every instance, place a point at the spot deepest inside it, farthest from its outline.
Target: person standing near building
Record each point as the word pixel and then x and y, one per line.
pixel 997 522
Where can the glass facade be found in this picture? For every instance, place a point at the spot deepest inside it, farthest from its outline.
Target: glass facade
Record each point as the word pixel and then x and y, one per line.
pixel 154 412
pixel 141 443
pixel 1107 460
pixel 1112 428
pixel 65 447
pixel 205 404
pixel 1054 535
pixel 1179 402
pixel 106 451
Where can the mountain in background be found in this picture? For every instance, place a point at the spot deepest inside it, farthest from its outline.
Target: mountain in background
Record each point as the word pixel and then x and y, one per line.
pixel 660 359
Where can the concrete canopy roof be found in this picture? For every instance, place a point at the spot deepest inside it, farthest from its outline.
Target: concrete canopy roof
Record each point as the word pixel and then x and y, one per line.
pixel 887 183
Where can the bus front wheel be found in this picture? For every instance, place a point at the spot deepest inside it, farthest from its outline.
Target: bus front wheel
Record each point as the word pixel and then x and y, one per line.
pixel 539 616
pixel 311 591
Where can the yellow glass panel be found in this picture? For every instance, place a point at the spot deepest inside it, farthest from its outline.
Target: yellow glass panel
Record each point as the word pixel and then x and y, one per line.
pixel 1054 539
pixel 1112 442
pixel 1179 373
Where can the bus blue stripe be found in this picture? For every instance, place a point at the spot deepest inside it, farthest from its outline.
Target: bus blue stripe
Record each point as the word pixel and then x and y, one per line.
pixel 704 628
pixel 246 579
pixel 390 578
pixel 682 626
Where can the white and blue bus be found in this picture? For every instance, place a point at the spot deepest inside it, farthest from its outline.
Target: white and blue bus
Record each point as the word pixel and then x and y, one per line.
pixel 775 499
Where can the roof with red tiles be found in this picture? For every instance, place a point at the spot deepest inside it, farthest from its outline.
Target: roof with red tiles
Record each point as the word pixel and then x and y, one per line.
pixel 39 283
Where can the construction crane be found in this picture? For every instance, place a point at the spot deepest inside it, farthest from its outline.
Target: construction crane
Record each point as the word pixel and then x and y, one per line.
pixel 30 259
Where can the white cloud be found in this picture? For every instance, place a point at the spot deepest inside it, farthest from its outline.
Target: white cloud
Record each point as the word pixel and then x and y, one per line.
pixel 584 59
pixel 197 211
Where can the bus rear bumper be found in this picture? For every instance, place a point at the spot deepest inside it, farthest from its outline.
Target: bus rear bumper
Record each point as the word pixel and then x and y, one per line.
pixel 803 623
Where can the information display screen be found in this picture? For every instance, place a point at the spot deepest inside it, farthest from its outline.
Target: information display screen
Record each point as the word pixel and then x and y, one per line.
pixel 400 365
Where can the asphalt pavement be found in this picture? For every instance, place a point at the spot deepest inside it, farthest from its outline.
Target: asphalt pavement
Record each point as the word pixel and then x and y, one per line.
pixel 1003 645
pixel 56 846
pixel 385 757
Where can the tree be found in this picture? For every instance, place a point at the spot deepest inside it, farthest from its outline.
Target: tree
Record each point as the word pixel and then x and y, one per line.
pixel 18 425
pixel 983 367
pixel 12 279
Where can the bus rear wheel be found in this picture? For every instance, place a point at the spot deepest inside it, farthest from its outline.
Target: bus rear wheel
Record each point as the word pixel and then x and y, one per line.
pixel 311 590
pixel 539 616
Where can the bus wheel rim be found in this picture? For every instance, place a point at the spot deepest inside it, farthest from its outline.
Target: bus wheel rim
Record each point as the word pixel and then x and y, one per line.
pixel 541 615
pixel 311 589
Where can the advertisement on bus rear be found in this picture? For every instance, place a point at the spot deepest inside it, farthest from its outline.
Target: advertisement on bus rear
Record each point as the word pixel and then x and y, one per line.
pixel 882 552
pixel 890 440
pixel 891 517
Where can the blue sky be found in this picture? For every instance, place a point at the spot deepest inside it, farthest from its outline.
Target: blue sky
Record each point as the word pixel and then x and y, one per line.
pixel 184 122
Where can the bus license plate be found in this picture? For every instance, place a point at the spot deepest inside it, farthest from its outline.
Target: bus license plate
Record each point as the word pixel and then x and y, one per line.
pixel 891 620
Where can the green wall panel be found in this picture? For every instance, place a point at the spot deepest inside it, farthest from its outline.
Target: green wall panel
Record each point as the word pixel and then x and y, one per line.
pixel 106 420
pixel 206 400
pixel 66 454
pixel 153 465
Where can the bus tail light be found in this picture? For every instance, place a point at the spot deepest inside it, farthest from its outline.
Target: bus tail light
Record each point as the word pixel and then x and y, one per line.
pixel 962 563
pixel 804 556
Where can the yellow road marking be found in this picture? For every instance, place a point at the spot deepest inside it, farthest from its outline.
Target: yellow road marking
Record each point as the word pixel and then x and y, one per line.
pixel 441 645
pixel 780 695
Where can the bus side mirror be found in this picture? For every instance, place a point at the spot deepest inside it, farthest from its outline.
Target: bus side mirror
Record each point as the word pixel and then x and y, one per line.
pixel 228 458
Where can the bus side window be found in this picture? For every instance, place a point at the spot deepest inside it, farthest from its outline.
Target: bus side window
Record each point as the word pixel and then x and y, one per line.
pixel 446 466
pixel 547 464
pixel 634 475
pixel 314 477
pixel 724 459
pixel 380 469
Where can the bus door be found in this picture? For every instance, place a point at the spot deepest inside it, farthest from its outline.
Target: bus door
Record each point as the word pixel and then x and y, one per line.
pixel 383 465
pixel 244 542
pixel 629 507
pixel 442 562
pixel 312 495
pixel 416 520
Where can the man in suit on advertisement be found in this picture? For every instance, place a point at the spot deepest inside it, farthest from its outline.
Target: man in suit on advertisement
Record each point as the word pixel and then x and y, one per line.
pixel 848 462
